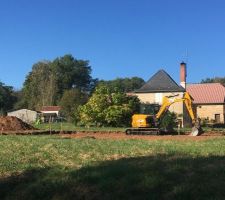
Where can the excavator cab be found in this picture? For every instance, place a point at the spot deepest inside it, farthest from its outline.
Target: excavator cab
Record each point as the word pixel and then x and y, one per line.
pixel 143 124
pixel 143 121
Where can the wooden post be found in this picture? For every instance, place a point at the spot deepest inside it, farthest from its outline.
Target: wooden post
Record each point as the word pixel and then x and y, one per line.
pixel 50 125
pixel 61 127
pixel 179 126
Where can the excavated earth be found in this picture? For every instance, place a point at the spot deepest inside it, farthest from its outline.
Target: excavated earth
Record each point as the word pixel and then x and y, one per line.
pixel 10 123
pixel 123 136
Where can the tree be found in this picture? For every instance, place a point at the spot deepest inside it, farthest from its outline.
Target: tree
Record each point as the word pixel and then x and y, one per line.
pixel 39 87
pixel 168 121
pixel 108 107
pixel 47 82
pixel 214 80
pixel 124 84
pixel 71 73
pixel 18 96
pixel 70 102
pixel 7 98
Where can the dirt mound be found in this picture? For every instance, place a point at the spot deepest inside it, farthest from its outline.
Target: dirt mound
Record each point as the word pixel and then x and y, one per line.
pixel 11 123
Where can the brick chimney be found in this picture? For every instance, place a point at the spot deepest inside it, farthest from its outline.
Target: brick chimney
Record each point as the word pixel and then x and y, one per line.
pixel 183 74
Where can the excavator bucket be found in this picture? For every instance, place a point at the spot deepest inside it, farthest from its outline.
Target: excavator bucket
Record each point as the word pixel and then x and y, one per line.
pixel 196 129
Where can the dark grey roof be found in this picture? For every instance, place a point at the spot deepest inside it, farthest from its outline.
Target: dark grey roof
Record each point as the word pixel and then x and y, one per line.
pixel 160 82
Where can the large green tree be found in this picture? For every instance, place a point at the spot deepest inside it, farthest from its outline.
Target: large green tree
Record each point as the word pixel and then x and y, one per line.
pixel 71 73
pixel 47 82
pixel 39 86
pixel 7 98
pixel 108 107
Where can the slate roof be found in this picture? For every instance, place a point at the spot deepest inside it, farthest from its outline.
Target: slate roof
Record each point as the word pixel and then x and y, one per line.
pixel 160 82
pixel 207 93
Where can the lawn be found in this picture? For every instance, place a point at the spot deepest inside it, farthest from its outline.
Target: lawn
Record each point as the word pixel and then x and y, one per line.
pixel 66 126
pixel 50 167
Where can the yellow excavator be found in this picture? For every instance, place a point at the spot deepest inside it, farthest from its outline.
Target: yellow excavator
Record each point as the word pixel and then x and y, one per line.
pixel 149 124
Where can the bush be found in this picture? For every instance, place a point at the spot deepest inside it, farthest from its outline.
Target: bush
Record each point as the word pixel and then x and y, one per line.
pixel 168 121
pixel 108 107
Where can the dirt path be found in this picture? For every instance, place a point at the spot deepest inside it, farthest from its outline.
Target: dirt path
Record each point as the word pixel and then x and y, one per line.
pixel 119 136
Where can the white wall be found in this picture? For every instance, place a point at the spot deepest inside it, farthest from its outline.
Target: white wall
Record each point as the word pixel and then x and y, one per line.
pixel 26 115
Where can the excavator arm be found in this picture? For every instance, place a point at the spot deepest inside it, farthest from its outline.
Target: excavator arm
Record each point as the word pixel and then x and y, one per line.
pixel 168 101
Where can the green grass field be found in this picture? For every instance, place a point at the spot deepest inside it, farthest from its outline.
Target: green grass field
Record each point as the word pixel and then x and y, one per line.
pixel 50 167
pixel 66 126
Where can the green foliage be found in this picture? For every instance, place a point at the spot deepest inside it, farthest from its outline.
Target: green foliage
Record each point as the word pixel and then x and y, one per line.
pixel 70 102
pixel 47 82
pixel 124 84
pixel 39 87
pixel 7 98
pixel 71 73
pixel 18 103
pixel 168 121
pixel 117 116
pixel 108 107
pixel 214 80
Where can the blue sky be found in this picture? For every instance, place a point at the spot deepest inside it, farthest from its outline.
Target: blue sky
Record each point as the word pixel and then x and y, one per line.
pixel 120 38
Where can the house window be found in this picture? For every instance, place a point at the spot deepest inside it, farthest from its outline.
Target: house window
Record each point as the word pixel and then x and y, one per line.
pixel 217 118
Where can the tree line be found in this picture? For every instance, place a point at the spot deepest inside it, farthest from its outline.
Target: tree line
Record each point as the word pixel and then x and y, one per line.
pixel 7 98
pixel 66 81
pixel 214 80
pixel 49 81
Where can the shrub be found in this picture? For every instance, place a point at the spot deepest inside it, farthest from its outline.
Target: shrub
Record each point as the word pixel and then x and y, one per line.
pixel 168 121
pixel 108 107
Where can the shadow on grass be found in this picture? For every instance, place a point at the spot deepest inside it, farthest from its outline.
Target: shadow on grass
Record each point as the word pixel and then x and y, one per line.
pixel 159 177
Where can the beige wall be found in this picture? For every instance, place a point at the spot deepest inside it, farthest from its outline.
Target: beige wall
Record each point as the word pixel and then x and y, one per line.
pixel 203 111
pixel 209 111
pixel 153 98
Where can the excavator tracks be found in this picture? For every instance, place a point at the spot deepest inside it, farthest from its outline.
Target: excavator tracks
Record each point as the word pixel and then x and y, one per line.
pixel 142 131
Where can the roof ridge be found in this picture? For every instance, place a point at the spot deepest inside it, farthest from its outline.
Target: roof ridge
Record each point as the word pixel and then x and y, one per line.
pixel 161 81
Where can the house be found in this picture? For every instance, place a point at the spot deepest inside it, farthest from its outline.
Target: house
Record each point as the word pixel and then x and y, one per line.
pixel 208 98
pixel 209 101
pixel 50 113
pixel 161 84
pixel 25 115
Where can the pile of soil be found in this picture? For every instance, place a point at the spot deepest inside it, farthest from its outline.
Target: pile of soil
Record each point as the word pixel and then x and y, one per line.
pixel 11 123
